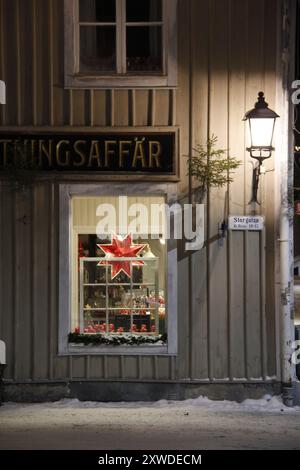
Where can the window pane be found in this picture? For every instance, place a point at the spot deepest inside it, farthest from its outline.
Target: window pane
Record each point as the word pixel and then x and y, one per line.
pixel 94 321
pixel 119 297
pixel 94 297
pixel 97 48
pixel 101 11
pixel 144 10
pixel 144 48
pixel 120 321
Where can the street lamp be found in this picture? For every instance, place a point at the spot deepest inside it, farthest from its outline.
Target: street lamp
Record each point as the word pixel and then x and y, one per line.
pixel 261 125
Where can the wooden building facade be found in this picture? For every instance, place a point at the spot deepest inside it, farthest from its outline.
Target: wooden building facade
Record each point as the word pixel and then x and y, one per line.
pixel 228 299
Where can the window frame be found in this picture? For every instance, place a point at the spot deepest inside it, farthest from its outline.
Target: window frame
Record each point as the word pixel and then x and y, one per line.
pixel 76 79
pixel 66 192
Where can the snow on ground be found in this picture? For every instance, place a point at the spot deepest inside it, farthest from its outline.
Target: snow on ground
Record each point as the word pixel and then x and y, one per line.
pixel 266 404
pixel 191 424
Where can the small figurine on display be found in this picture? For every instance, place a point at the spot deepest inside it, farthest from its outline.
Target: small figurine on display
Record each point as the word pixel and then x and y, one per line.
pixel 124 312
pixel 161 312
pixel 90 329
pixel 147 253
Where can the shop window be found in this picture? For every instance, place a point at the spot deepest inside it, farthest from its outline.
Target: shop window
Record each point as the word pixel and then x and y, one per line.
pixel 119 282
pixel 118 286
pixel 120 43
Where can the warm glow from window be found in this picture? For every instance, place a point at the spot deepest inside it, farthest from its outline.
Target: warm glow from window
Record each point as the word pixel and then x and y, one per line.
pixel 118 288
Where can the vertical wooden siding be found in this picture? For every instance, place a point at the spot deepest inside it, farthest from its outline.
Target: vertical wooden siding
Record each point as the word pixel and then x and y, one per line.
pixel 227 53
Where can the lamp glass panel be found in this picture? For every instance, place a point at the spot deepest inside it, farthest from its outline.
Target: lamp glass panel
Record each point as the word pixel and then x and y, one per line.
pixel 261 132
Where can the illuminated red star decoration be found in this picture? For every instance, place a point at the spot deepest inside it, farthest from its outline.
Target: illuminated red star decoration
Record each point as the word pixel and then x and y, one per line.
pixel 121 248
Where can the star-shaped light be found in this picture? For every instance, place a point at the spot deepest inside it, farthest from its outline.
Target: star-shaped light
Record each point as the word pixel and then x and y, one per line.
pixel 121 248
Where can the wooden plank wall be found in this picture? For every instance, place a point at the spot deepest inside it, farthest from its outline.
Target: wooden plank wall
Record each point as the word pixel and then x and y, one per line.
pixel 227 53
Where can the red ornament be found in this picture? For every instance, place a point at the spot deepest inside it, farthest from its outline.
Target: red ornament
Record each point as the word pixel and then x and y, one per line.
pixel 121 248
pixel 77 330
pixel 124 312
pixel 121 330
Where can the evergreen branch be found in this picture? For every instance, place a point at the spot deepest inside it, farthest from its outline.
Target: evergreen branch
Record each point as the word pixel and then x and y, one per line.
pixel 212 167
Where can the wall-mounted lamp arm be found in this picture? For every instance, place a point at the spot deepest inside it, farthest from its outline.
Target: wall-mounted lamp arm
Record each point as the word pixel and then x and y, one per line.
pixel 255 183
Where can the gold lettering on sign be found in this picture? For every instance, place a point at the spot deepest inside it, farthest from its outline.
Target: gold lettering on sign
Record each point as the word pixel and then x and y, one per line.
pixel 4 143
pixel 80 153
pixel 94 154
pixel 66 154
pixel 47 152
pixel 123 152
pixel 154 154
pixel 109 151
pixel 139 154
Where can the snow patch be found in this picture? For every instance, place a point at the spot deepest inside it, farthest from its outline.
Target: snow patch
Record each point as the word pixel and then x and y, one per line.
pixel 266 404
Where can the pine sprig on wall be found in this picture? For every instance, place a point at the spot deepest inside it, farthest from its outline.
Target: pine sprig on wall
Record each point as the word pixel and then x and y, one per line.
pixel 212 167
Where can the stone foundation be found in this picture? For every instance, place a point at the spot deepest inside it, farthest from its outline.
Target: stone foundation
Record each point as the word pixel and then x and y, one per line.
pixel 132 391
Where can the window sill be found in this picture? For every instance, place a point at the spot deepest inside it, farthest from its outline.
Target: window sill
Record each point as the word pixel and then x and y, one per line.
pixel 130 350
pixel 122 81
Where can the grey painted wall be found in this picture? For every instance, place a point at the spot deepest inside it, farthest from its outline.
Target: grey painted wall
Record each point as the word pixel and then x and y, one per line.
pixel 226 329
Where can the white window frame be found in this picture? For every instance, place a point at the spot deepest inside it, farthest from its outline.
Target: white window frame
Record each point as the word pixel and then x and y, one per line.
pixel 76 79
pixel 66 193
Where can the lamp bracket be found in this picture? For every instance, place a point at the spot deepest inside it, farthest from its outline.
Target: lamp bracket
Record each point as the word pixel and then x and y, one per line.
pixel 255 182
pixel 258 152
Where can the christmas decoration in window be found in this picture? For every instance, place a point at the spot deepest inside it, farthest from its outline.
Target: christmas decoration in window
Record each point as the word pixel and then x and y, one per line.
pixel 119 285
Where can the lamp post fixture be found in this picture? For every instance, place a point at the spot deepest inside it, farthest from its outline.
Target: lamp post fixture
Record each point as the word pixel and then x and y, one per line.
pixel 261 125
